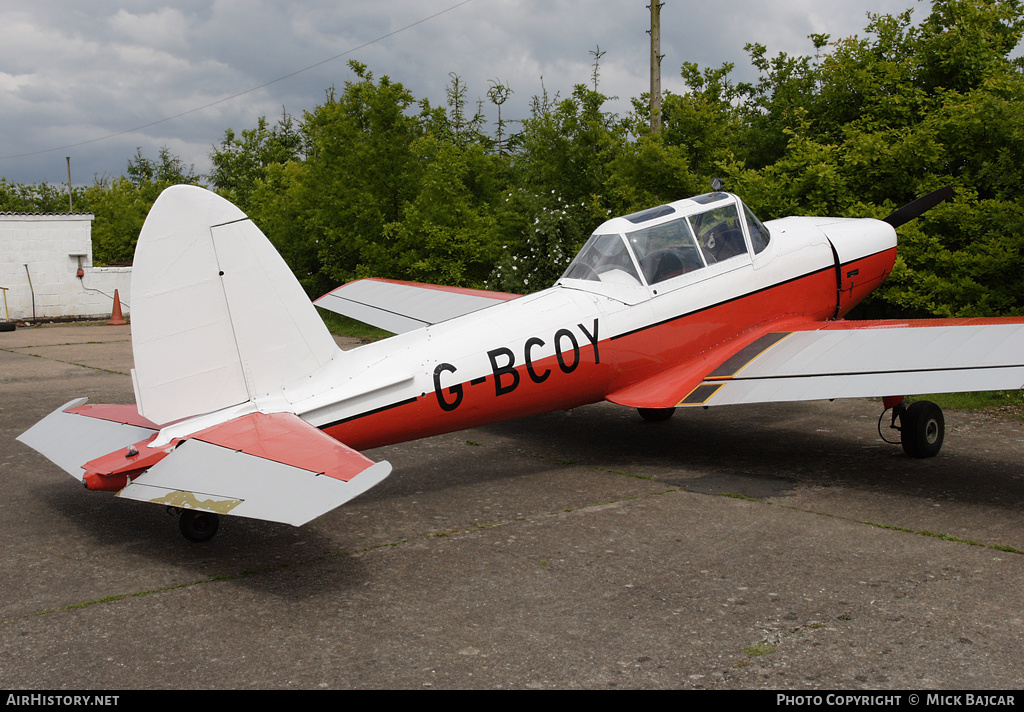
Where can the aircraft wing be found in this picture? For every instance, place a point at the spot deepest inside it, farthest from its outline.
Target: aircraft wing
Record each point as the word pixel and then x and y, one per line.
pixel 404 306
pixel 846 359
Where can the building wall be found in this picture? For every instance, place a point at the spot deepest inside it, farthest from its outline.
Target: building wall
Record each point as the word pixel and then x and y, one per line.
pixel 39 261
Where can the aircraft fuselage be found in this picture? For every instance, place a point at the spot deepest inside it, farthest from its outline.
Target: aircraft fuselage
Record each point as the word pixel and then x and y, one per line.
pixel 581 342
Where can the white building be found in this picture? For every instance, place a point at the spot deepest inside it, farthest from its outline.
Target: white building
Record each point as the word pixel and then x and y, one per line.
pixel 46 266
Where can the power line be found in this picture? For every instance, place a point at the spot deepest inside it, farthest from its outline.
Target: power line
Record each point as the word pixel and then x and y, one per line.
pixel 242 93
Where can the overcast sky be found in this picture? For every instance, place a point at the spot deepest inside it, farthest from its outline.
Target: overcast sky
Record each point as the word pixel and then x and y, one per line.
pixel 94 80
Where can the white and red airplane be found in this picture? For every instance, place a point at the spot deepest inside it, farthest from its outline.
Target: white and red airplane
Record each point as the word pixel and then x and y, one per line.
pixel 244 404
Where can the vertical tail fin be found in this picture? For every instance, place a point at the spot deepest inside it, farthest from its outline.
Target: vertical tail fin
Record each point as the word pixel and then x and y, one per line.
pixel 218 319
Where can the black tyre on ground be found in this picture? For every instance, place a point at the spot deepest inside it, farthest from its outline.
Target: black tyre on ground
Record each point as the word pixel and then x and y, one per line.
pixel 922 429
pixel 198 526
pixel 655 415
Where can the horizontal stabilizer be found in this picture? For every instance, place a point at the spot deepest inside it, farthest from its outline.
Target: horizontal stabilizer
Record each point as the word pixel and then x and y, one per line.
pixel 275 467
pixel 405 306
pixel 76 433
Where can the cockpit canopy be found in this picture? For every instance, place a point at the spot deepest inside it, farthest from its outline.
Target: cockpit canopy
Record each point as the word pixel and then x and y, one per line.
pixel 668 241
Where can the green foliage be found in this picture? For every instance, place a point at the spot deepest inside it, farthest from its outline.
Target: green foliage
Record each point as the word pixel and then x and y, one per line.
pixel 885 118
pixel 538 253
pixel 121 205
pixel 239 164
pixel 360 173
pixel 120 209
pixel 38 198
pixel 373 182
pixel 961 259
pixel 557 187
pixel 168 169
pixel 449 229
pixel 647 172
pixel 705 122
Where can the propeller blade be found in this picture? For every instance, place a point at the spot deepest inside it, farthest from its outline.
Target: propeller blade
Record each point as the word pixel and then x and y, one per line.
pixel 915 208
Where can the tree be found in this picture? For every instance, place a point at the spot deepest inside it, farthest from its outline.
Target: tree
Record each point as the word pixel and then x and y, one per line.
pixel 358 173
pixel 167 170
pixel 121 205
pixel 901 112
pixel 239 164
pixel 38 198
pixel 120 208
pixel 705 122
pixel 556 187
pixel 448 232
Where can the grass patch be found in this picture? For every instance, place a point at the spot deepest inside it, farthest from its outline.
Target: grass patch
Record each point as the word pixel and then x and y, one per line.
pixel 744 497
pixel 945 537
pixel 628 474
pixel 977 400
pixel 758 650
pixel 345 326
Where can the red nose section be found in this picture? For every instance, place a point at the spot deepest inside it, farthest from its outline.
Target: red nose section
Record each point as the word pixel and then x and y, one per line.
pixel 859 278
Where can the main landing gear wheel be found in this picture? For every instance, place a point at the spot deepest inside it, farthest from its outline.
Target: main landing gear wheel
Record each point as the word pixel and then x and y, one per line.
pixel 198 526
pixel 922 429
pixel 655 415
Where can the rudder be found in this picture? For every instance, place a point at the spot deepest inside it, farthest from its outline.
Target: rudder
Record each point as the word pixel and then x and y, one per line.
pixel 218 319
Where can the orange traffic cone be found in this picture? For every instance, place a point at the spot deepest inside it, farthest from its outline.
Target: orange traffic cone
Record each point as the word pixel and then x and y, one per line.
pixel 116 319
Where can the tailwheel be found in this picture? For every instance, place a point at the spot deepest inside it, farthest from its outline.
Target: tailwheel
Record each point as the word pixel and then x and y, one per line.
pixel 655 415
pixel 922 429
pixel 198 526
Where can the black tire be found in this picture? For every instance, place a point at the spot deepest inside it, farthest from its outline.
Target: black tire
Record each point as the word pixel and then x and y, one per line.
pixel 656 415
pixel 922 429
pixel 198 527
pixel 7 326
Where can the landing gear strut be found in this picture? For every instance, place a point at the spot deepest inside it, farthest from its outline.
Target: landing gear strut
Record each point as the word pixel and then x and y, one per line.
pixel 922 427
pixel 197 526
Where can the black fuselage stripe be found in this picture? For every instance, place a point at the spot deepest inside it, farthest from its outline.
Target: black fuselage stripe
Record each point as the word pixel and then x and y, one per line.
pixel 383 408
pixel 721 303
pixel 865 257
pixel 888 372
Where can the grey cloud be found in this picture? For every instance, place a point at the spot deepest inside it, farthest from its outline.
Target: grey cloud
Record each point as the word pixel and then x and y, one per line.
pixel 78 72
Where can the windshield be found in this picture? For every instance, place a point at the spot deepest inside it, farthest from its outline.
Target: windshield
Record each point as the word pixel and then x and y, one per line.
pixel 719 233
pixel 604 259
pixel 666 250
pixel 759 235
pixel 669 248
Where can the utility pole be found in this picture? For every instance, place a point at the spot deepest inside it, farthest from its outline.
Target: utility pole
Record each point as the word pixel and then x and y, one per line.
pixel 71 208
pixel 656 56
